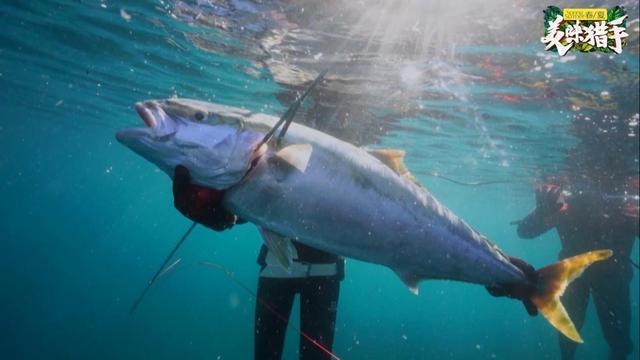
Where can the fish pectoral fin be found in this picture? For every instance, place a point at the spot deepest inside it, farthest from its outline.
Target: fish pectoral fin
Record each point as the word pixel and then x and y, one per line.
pixel 280 247
pixel 296 155
pixel 411 280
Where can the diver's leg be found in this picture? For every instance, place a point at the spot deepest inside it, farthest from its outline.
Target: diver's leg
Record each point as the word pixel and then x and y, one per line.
pixel 318 308
pixel 575 300
pixel 273 307
pixel 611 297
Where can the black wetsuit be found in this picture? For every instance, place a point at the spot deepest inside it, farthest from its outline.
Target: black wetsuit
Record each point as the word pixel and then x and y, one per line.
pixel 318 286
pixel 591 223
pixel 318 306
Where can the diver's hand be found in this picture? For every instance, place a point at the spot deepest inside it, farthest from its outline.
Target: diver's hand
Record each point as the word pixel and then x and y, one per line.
pixel 520 292
pixel 199 203
pixel 549 199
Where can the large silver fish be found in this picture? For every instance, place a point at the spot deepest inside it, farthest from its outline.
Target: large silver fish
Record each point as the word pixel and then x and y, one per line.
pixel 336 197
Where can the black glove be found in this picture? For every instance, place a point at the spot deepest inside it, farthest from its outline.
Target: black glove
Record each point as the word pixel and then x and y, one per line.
pixel 199 203
pixel 520 292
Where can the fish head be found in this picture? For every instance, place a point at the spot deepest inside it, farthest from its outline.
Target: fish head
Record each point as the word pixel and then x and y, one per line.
pixel 210 140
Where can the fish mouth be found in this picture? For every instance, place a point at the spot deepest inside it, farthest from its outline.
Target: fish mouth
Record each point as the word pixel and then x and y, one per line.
pixel 152 114
pixel 144 110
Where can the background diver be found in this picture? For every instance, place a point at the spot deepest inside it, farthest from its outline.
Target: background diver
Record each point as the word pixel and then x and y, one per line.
pixel 592 210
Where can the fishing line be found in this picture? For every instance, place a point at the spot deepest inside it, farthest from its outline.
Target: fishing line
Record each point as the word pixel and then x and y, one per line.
pixel 161 268
pixel 169 267
pixel 268 306
pixel 228 273
pixel 463 183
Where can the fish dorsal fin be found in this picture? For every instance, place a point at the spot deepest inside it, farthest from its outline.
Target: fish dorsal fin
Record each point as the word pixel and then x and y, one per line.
pixel 411 280
pixel 394 159
pixel 296 155
pixel 280 247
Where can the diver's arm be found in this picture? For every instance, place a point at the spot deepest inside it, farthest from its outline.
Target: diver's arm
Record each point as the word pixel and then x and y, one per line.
pixel 549 207
pixel 199 203
pixel 534 225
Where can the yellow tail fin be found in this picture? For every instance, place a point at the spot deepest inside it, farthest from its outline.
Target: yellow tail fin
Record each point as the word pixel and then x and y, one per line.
pixel 553 280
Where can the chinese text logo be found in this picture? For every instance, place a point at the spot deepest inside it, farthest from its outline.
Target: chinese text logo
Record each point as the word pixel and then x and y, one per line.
pixel 584 30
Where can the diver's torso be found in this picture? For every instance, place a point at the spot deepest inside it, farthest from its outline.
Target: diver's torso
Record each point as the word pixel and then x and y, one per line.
pixel 593 222
pixel 585 232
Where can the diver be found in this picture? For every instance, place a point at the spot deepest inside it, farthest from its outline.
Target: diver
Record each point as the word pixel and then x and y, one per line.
pixel 589 213
pixel 314 275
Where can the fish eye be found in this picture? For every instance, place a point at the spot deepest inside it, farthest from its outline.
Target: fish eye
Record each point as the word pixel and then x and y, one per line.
pixel 199 116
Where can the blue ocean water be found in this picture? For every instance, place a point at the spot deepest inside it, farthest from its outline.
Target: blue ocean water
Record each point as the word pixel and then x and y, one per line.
pixel 85 222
